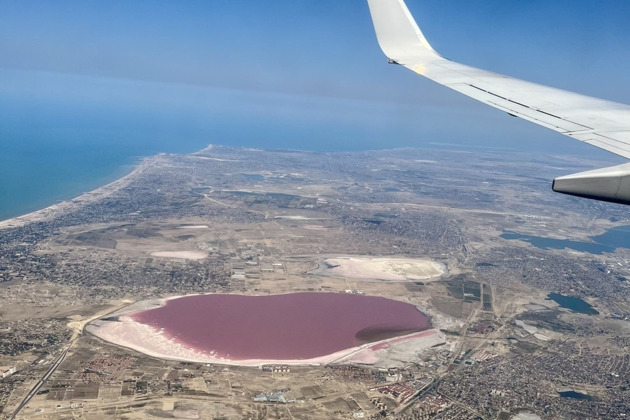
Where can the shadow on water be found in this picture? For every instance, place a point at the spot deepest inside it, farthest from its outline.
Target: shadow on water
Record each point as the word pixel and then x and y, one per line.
pixel 373 334
pixel 575 395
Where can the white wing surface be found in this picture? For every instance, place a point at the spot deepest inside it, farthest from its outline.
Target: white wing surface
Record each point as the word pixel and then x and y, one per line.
pixel 598 122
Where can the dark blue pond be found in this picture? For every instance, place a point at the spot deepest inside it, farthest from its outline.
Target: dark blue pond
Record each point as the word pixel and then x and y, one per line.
pixel 573 303
pixel 575 395
pixel 618 237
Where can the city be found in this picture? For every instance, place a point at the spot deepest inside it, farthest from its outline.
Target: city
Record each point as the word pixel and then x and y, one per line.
pixel 256 222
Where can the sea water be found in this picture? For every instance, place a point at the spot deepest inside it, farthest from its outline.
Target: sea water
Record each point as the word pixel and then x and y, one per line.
pixel 62 135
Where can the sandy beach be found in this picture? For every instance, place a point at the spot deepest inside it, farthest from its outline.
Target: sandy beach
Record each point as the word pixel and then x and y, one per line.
pixel 76 203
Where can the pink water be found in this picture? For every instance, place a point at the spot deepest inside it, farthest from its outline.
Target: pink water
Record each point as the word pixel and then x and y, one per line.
pixel 282 327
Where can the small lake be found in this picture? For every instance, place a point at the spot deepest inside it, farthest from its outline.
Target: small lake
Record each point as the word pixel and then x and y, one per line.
pixel 617 237
pixel 575 395
pixel 253 177
pixel 573 303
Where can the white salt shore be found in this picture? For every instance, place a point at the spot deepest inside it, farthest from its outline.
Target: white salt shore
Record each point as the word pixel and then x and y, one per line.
pixel 184 255
pixel 388 269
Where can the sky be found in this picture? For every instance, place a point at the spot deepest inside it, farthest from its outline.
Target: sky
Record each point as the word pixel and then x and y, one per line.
pixel 154 76
pixel 293 73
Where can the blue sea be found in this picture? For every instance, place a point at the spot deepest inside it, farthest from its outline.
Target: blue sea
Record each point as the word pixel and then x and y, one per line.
pixel 56 151
pixel 62 135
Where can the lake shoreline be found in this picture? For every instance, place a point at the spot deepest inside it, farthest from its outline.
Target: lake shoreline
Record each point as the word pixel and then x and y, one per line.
pixel 122 328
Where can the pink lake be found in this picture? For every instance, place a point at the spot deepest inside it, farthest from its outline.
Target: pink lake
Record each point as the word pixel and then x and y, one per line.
pixel 282 327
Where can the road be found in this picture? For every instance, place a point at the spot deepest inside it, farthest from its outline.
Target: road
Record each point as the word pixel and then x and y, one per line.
pixel 77 327
pixel 41 382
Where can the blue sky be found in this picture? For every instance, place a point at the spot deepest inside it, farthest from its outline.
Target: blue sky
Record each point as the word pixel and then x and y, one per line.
pixel 301 74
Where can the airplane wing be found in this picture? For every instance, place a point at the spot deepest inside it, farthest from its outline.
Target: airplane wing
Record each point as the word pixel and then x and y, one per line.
pixel 598 122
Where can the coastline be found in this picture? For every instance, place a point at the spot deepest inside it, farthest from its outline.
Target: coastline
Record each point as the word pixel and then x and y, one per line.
pixel 48 213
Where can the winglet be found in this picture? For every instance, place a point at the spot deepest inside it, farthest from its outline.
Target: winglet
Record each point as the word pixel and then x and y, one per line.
pixel 398 33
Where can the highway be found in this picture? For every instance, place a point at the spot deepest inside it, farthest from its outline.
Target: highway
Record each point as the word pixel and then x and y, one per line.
pixel 41 382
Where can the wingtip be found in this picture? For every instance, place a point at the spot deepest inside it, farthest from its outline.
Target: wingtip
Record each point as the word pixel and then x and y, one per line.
pixel 397 32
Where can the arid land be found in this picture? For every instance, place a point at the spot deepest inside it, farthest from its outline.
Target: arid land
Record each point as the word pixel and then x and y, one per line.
pixel 419 226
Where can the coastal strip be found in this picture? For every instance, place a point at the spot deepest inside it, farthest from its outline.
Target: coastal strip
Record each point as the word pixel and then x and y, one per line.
pixel 50 212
